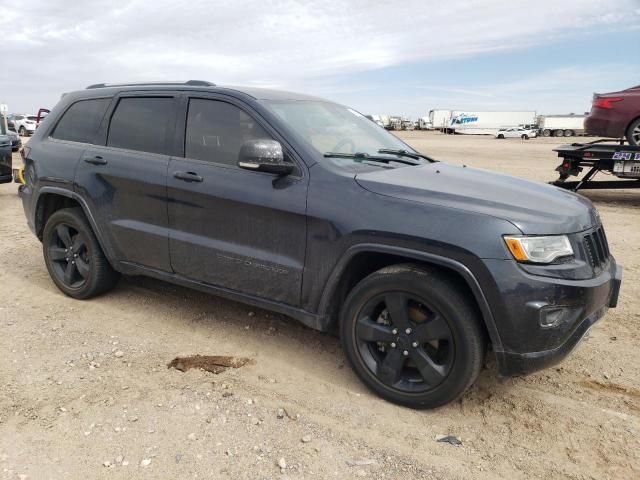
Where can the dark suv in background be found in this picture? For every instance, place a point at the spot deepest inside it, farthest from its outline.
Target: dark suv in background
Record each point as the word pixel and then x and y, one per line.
pixel 304 207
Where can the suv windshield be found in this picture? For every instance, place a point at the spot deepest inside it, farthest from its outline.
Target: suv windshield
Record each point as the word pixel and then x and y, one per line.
pixel 331 128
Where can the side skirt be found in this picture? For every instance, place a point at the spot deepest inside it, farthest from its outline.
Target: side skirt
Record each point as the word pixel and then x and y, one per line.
pixel 311 320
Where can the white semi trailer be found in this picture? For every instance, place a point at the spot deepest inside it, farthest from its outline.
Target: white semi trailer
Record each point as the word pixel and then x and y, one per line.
pixel 440 119
pixel 560 125
pixel 488 123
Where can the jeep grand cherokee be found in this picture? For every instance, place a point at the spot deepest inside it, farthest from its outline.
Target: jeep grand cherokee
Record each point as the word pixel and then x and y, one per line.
pixel 305 207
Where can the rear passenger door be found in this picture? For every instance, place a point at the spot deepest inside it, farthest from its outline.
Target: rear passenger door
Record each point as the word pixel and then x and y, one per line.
pixel 123 177
pixel 230 227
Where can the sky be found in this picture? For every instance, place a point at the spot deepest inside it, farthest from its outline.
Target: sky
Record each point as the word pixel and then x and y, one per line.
pixel 379 57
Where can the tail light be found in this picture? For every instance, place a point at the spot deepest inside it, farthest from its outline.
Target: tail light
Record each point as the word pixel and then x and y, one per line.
pixel 605 102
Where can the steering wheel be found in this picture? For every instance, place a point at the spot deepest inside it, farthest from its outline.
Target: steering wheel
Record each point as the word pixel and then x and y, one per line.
pixel 344 142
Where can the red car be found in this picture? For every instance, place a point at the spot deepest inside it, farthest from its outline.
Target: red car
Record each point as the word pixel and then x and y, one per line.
pixel 615 115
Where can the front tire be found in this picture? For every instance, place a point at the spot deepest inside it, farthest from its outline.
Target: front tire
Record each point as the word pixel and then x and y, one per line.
pixel 74 258
pixel 501 137
pixel 525 137
pixel 22 131
pixel 633 133
pixel 412 336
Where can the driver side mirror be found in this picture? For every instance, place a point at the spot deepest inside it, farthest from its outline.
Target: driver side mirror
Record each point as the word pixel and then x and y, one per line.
pixel 264 156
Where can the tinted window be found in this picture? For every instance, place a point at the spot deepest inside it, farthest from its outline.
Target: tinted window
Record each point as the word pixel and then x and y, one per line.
pixel 81 121
pixel 216 131
pixel 141 124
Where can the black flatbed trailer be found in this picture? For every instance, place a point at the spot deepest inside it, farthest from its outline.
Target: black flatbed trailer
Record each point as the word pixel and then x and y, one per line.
pixel 617 159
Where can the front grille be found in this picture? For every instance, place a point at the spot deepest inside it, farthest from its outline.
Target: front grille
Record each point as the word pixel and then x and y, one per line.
pixel 596 248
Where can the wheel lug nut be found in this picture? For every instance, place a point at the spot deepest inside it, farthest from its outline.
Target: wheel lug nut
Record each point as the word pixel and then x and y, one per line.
pixel 408 331
pixel 394 331
pixel 73 263
pixel 414 344
pixel 393 345
pixel 405 353
pixel 75 255
pixel 66 250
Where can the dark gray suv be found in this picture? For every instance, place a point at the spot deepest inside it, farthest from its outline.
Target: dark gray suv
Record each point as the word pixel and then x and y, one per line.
pixel 304 207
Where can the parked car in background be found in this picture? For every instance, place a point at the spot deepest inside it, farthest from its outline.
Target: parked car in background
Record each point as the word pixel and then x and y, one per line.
pixel 615 115
pixel 16 141
pixel 516 132
pixel 25 125
pixel 243 192
pixel 6 174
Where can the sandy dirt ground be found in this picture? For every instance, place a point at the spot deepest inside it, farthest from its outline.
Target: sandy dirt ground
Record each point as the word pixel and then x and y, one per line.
pixel 86 394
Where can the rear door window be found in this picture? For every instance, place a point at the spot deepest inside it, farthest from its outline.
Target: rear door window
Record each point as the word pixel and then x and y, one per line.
pixel 141 123
pixel 81 121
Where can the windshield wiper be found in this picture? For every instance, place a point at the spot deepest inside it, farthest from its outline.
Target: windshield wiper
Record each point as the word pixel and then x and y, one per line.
pixel 365 157
pixel 404 153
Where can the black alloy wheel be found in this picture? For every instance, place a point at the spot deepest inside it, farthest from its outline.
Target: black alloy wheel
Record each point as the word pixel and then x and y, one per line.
pixel 69 255
pixel 73 256
pixel 405 342
pixel 413 335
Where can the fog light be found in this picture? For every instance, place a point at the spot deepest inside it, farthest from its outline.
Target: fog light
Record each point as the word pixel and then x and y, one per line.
pixel 552 316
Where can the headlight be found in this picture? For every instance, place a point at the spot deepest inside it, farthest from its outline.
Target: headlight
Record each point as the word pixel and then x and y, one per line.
pixel 539 249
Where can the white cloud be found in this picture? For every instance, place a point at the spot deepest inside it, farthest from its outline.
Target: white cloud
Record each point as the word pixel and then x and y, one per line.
pixel 57 45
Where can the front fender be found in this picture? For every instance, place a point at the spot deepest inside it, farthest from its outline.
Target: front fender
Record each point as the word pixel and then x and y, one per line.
pixel 423 257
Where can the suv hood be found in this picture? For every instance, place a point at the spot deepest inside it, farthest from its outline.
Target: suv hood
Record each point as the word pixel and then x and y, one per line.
pixel 534 208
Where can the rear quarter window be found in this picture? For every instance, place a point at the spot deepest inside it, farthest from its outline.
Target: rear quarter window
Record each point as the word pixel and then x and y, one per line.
pixel 141 123
pixel 81 121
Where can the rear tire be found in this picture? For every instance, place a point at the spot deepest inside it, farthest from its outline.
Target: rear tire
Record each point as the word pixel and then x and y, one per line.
pixel 74 258
pixel 546 132
pixel 568 133
pixel 525 137
pixel 633 132
pixel 501 137
pixel 558 133
pixel 412 336
pixel 22 131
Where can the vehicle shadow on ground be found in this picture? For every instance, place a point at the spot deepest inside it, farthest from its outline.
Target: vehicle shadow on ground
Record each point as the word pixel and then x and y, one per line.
pixel 323 350
pixel 626 198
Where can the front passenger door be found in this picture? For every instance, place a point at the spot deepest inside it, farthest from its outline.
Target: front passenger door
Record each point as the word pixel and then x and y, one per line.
pixel 229 227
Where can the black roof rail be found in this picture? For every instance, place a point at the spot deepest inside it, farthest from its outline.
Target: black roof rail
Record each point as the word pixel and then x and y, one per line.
pixel 191 83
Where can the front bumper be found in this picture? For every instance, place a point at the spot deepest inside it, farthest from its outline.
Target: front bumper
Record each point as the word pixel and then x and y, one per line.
pixel 527 345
